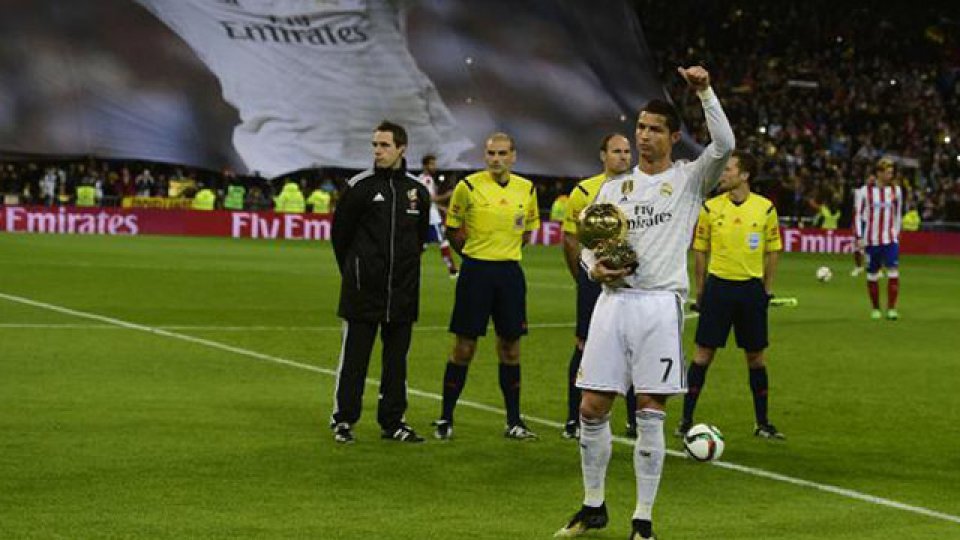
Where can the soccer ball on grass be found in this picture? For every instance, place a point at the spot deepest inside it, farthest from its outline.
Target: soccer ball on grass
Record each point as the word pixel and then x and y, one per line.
pixel 703 442
pixel 824 274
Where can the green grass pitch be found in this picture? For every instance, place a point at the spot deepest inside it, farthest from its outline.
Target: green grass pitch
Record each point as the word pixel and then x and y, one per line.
pixel 160 387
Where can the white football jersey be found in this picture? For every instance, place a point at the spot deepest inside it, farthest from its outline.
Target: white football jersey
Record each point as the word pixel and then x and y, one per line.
pixel 662 209
pixel 311 79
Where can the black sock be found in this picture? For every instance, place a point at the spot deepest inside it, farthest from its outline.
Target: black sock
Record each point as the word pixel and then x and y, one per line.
pixel 631 400
pixel 696 378
pixel 510 386
pixel 454 379
pixel 644 527
pixel 758 386
pixel 573 393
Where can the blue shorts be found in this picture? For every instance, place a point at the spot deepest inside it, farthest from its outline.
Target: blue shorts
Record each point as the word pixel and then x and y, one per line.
pixel 887 256
pixel 488 289
pixel 587 294
pixel 741 304
pixel 435 234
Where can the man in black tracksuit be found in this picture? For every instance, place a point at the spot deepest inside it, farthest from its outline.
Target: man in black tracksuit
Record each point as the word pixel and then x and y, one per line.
pixel 380 225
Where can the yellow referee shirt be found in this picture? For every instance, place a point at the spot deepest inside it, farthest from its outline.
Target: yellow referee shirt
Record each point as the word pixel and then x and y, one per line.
pixel 495 216
pixel 737 235
pixel 581 197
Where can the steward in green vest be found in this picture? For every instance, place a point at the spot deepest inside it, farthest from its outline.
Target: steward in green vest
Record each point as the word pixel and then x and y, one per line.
pixel 829 219
pixel 319 201
pixel 205 199
pixel 86 195
pixel 235 197
pixel 911 220
pixel 558 211
pixel 290 200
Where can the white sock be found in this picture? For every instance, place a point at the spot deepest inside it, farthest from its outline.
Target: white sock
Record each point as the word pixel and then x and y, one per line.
pixel 596 445
pixel 648 453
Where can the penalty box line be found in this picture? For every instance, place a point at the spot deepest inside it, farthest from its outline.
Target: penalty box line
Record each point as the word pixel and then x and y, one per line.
pixel 752 471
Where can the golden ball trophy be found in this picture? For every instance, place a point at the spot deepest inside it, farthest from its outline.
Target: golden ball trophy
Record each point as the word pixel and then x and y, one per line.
pixel 602 228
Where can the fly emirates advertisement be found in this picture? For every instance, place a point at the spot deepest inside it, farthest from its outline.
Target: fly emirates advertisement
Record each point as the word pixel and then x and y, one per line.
pixel 275 226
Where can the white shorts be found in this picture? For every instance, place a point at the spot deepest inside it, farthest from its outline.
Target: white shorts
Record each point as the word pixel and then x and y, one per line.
pixel 635 338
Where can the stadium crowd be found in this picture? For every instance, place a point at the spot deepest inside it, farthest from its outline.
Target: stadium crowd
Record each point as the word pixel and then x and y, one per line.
pixel 819 91
pixel 55 182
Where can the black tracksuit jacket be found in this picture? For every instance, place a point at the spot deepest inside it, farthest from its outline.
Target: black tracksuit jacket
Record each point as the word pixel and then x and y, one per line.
pixel 379 228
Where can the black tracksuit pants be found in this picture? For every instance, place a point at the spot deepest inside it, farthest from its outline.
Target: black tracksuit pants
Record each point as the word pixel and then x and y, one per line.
pixel 358 338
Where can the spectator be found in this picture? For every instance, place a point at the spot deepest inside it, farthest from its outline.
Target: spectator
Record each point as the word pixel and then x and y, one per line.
pixel 290 199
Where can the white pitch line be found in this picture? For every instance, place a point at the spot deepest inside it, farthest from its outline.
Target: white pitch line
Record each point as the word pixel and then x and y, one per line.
pixel 41 326
pixel 843 492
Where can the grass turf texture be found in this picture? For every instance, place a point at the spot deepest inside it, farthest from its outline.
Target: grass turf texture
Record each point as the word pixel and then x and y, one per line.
pixel 111 432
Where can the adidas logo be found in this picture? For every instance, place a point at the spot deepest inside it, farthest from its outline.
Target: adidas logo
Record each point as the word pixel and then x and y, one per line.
pixel 378 197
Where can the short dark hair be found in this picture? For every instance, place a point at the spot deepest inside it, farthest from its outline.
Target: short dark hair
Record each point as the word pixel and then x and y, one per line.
pixel 746 163
pixel 605 141
pixel 399 134
pixel 427 159
pixel 668 111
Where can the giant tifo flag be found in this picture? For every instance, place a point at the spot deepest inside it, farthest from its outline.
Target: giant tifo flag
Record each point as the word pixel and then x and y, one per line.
pixel 279 85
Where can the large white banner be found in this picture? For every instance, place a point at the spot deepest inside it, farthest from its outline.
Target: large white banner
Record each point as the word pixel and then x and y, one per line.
pixel 279 85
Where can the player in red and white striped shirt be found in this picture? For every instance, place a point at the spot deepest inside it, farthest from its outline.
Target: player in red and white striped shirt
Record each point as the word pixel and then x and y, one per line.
pixel 429 180
pixel 877 210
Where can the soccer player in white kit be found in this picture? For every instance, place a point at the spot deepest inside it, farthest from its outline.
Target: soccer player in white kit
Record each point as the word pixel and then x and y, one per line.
pixel 308 78
pixel 636 331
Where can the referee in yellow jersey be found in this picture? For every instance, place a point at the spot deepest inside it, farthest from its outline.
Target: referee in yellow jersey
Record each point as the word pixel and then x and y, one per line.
pixel 616 156
pixel 490 216
pixel 739 232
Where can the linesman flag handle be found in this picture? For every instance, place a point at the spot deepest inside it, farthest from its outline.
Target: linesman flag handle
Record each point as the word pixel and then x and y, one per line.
pixel 785 301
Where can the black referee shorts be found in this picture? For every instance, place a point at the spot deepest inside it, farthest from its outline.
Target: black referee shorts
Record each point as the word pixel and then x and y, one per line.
pixel 490 289
pixel 741 304
pixel 587 294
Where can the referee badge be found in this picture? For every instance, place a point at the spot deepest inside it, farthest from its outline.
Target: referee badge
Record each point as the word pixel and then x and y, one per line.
pixel 518 222
pixel 753 240
pixel 666 189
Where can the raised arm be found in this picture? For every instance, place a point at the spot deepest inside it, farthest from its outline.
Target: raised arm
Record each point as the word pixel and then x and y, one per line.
pixel 710 163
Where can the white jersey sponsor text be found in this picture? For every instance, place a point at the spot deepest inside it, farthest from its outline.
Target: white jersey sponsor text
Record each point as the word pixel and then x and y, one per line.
pixel 311 79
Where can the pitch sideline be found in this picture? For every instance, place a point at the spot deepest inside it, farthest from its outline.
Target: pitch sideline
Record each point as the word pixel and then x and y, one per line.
pixel 880 501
